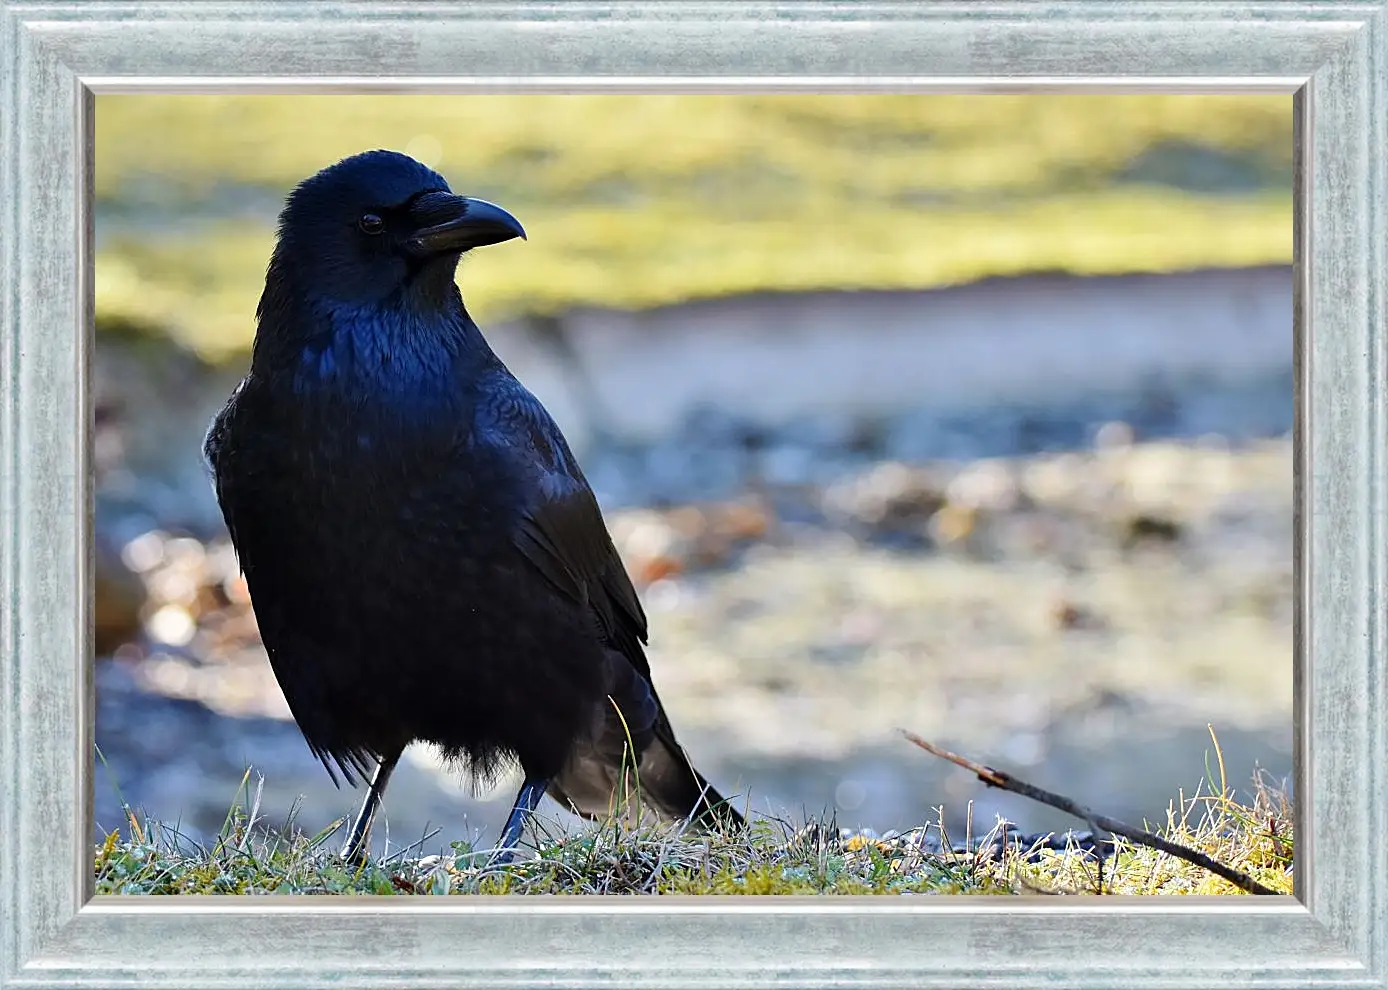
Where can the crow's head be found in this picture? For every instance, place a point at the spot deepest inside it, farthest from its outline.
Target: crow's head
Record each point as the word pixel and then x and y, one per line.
pixel 379 227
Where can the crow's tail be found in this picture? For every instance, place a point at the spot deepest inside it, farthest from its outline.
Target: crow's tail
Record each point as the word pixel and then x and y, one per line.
pixel 665 780
pixel 673 786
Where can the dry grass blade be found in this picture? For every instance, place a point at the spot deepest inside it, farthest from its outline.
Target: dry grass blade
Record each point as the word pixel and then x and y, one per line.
pixel 1006 782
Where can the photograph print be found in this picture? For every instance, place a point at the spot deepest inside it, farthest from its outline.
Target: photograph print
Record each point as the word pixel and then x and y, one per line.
pixel 694 494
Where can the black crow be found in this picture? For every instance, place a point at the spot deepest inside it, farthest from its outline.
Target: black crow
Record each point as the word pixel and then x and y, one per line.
pixel 424 557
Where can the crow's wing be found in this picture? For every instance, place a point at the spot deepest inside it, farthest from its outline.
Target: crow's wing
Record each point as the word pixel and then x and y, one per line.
pixel 562 536
pixel 239 481
pixel 561 533
pixel 213 447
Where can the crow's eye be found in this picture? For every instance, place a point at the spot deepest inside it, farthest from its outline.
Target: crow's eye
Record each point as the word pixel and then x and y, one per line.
pixel 371 224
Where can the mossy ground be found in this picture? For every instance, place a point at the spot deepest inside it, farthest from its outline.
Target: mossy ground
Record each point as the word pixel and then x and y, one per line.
pixel 768 858
pixel 635 201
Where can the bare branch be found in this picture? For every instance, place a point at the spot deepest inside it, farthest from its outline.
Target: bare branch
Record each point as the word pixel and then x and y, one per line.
pixel 1006 782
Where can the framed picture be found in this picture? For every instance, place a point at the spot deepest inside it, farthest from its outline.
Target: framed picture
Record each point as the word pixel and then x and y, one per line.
pixel 60 60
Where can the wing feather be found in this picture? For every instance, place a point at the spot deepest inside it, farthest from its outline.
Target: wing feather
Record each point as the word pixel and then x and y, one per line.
pixel 562 533
pixel 563 537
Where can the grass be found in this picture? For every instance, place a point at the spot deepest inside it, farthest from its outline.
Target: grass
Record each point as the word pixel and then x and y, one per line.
pixel 611 858
pixel 769 858
pixel 1256 838
pixel 635 201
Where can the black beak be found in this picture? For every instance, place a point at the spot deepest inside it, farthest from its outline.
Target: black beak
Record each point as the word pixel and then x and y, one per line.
pixel 447 223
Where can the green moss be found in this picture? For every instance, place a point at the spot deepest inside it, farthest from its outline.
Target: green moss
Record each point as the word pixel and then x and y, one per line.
pixel 635 201
pixel 568 149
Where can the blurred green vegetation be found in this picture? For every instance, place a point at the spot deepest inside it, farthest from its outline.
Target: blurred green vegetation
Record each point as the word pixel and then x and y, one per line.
pixel 642 200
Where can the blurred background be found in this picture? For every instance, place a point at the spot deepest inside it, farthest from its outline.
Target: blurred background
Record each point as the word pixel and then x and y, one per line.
pixel 970 415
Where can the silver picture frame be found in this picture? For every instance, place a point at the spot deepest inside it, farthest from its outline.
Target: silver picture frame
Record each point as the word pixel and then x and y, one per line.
pixel 1331 58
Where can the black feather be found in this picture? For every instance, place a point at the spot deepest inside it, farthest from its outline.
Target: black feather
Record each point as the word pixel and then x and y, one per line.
pixel 424 556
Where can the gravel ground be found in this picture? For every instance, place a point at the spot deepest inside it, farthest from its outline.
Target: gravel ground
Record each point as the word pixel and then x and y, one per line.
pixel 1075 618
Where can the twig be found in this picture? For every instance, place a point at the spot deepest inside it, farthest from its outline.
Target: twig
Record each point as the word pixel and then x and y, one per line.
pixel 1006 782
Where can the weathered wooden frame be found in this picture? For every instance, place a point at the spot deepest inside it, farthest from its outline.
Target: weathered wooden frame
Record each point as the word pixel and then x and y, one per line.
pixel 1333 56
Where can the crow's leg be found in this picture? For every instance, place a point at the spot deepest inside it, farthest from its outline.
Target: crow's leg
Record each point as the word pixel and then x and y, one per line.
pixel 530 793
pixel 355 849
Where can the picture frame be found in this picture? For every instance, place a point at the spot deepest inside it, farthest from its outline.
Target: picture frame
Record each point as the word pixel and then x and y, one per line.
pixel 1331 58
